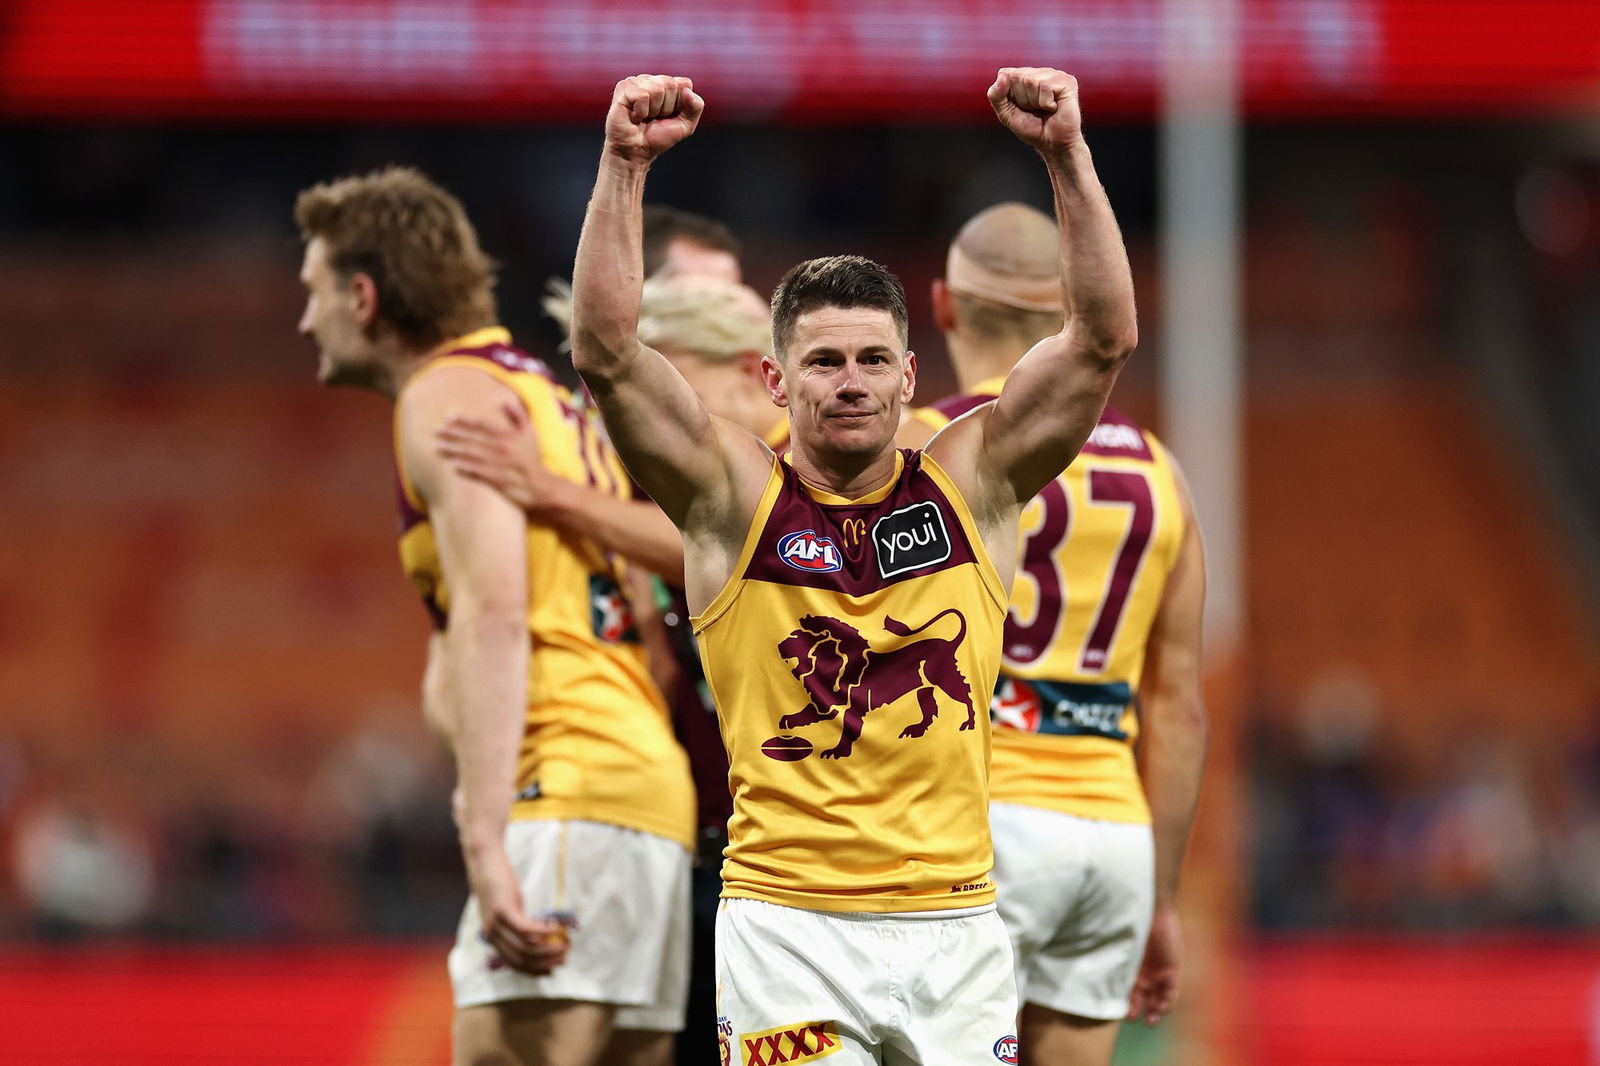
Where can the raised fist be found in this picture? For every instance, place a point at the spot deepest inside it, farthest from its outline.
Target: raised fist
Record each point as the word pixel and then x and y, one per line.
pixel 1039 105
pixel 650 113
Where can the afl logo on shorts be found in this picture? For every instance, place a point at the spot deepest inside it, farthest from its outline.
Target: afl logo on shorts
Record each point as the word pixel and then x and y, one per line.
pixel 807 551
pixel 1005 1049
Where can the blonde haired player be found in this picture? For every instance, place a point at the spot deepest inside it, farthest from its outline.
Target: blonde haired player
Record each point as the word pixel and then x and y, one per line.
pixel 715 333
pixel 573 802
pixel 1102 651
pixel 849 600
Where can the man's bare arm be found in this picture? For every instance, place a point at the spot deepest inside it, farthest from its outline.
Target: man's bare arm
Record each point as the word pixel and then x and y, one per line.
pixel 1054 397
pixel 683 457
pixel 1172 756
pixel 435 703
pixel 480 689
pixel 637 530
pixel 506 457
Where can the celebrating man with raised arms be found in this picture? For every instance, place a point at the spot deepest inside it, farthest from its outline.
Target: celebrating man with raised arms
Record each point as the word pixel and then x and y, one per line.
pixel 849 601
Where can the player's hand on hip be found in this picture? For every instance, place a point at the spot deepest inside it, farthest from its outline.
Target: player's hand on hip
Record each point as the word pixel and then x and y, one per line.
pixel 1039 105
pixel 521 943
pixel 650 113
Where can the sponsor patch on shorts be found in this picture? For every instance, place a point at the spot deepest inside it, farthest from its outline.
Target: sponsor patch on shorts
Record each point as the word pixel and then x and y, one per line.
pixel 788 1044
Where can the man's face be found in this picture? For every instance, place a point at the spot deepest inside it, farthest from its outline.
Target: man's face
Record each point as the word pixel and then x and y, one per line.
pixel 844 376
pixel 333 318
pixel 686 258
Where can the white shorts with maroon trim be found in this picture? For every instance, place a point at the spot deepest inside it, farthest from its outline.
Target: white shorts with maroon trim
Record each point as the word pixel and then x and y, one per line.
pixel 1076 896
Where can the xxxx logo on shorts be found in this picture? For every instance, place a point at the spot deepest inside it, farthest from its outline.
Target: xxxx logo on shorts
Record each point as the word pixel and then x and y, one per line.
pixel 806 1042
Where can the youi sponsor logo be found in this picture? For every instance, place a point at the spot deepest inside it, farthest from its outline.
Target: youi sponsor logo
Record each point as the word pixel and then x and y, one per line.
pixel 909 539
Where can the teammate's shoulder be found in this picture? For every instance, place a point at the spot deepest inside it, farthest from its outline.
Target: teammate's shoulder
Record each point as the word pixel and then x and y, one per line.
pixel 446 379
pixel 953 407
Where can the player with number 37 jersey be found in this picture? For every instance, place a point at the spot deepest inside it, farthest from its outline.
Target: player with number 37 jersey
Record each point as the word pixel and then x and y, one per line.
pixel 1108 530
pixel 1100 660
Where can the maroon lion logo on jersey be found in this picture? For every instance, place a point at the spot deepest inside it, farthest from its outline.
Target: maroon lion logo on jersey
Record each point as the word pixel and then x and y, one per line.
pixel 841 671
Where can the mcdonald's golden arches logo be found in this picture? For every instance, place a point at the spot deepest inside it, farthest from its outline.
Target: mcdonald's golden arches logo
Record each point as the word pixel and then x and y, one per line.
pixel 854 531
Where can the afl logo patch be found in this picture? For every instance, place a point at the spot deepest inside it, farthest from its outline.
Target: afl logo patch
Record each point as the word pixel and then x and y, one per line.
pixel 807 551
pixel 910 539
pixel 1005 1049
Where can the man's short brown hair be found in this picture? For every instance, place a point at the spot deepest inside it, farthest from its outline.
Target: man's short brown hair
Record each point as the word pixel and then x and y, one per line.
pixel 663 225
pixel 413 239
pixel 836 281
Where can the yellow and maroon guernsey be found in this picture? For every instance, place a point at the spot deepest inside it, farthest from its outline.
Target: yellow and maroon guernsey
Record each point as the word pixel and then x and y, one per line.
pixel 1097 546
pixel 850 656
pixel 598 745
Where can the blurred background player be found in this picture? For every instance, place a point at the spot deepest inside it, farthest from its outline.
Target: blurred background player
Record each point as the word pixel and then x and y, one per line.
pixel 1102 644
pixel 680 243
pixel 573 800
pixel 808 573
pixel 715 333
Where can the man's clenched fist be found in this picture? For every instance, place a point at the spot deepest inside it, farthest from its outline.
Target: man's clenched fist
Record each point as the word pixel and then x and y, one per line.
pixel 650 113
pixel 1039 105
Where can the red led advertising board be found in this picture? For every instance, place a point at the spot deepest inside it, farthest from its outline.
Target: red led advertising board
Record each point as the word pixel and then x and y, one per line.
pixel 807 60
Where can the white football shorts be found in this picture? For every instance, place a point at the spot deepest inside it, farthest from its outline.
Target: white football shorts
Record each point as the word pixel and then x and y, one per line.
pixel 1076 896
pixel 796 986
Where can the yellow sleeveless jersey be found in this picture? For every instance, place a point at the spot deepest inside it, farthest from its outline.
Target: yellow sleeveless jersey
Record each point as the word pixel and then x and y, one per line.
pixel 849 657
pixel 598 745
pixel 1097 546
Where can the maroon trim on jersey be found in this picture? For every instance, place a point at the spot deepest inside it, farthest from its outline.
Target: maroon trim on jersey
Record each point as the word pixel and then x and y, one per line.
pixel 409 515
pixel 953 407
pixel 506 357
pixel 1118 435
pixel 831 546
